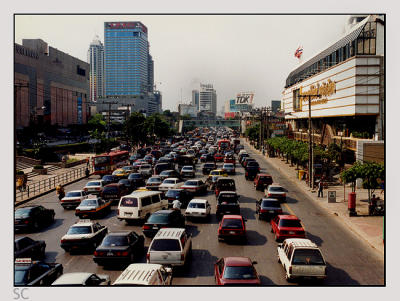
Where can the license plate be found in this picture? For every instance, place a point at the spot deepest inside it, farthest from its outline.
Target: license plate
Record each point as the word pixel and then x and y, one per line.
pixel 227 212
pixel 155 227
pixel 291 232
pixel 128 214
pixel 232 232
pixel 110 254
pixel 271 211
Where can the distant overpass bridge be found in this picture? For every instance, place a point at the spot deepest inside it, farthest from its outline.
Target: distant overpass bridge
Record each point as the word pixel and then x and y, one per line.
pixel 185 124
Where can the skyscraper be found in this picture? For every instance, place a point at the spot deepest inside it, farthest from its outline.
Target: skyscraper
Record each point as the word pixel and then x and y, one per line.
pixel 95 58
pixel 208 98
pixel 126 59
pixel 195 99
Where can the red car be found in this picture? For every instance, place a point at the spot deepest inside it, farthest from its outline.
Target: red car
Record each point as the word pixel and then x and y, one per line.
pixel 230 159
pixel 232 227
pixel 236 271
pixel 287 226
pixel 262 180
pixel 219 157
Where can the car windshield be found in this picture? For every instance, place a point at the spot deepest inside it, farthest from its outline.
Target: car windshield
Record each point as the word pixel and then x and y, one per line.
pixel 276 189
pixel 240 272
pixel 129 202
pixel 252 164
pixel 273 204
pixel 89 202
pixel 232 223
pixel 110 190
pixel 154 180
pixel 197 205
pixel 73 194
pixel 124 182
pixel 115 241
pixel 93 184
pixel 307 257
pixel 172 193
pixel 158 219
pixel 101 160
pixel 116 172
pixel 20 275
pixel 134 176
pixel 165 245
pixel 169 181
pixel 187 168
pixel 79 230
pixel 191 183
pixel 23 212
pixel 293 223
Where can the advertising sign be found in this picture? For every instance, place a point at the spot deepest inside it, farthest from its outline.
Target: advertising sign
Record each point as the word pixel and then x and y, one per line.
pixel 244 98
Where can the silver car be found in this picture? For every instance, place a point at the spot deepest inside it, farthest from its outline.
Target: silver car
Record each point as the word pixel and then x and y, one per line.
pixel 229 168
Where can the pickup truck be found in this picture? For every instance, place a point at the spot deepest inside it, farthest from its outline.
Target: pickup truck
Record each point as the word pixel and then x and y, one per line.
pixel 35 273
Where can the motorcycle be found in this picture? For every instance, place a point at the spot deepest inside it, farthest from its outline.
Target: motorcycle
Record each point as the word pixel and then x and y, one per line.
pixel 376 207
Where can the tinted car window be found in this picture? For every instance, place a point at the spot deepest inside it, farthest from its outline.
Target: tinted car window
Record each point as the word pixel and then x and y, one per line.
pixel 23 212
pixel 114 240
pixel 252 164
pixel 146 201
pixel 307 257
pixel 110 190
pixel 289 223
pixel 158 219
pixel 227 198
pixel 80 230
pixel 129 202
pixel 89 202
pixel 134 176
pixel 172 193
pixel 238 272
pixel 197 205
pixel 191 183
pixel 155 199
pixel 73 194
pixel 276 189
pixel 232 223
pixel 270 204
pixel 165 245
pixel 93 184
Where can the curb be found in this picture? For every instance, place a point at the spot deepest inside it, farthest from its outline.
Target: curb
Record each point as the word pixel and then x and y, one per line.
pixel 349 225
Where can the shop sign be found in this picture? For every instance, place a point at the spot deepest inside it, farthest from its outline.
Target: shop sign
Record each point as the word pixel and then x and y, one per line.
pixel 324 89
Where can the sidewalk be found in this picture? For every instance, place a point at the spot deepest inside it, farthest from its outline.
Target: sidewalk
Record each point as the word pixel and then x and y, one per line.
pixel 369 228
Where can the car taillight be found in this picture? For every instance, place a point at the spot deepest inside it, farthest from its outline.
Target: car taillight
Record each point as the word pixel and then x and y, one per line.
pixel 269 194
pixel 139 211
pixel 62 240
pixel 283 232
pixel 259 169
pixel 26 221
pixel 284 194
pixel 98 188
pixel 96 253
pixel 247 173
pixel 182 257
pixel 117 211
pixel 148 256
pixel 146 227
pixel 279 211
pixel 263 211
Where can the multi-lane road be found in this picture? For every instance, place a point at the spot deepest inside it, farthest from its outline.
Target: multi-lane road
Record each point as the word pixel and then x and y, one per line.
pixel 351 261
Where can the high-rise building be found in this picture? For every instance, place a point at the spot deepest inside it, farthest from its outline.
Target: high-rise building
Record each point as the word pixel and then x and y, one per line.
pixel 126 59
pixel 195 98
pixel 150 73
pixel 95 58
pixel 208 98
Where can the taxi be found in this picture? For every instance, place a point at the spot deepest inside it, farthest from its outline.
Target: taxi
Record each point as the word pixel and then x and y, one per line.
pixel 35 273
pixel 121 173
pixel 217 172
pixel 93 206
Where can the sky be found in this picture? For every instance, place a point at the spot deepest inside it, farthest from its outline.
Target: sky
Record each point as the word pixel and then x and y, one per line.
pixel 235 53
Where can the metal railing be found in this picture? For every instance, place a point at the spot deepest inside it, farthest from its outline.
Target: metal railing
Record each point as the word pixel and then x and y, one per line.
pixel 42 186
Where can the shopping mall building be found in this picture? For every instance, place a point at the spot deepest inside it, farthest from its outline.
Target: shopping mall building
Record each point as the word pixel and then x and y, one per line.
pixel 345 84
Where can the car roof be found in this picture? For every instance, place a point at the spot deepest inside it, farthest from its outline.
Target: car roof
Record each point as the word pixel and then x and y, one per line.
pixel 171 179
pixel 119 232
pixel 72 278
pixel 75 191
pixel 164 211
pixel 140 194
pixel 198 201
pixel 301 242
pixel 169 233
pixel 114 184
pixel 237 261
pixel 138 273
pixel 287 216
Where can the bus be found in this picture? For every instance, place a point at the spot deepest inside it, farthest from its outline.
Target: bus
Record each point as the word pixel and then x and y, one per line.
pixel 223 144
pixel 106 163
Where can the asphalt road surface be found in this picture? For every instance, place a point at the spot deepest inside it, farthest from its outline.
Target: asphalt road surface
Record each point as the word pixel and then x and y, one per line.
pixel 350 260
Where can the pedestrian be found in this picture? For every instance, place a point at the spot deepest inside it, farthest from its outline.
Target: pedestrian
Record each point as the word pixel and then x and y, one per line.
pixel 321 188
pixel 19 184
pixel 176 205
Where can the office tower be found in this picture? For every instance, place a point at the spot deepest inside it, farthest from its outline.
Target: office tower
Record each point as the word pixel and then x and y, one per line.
pixel 195 99
pixel 95 58
pixel 208 98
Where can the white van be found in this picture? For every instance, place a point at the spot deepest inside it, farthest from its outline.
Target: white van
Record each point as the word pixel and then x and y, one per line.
pixel 139 205
pixel 301 258
pixel 145 274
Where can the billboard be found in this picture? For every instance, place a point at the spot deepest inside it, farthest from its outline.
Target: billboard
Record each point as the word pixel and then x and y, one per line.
pixel 244 98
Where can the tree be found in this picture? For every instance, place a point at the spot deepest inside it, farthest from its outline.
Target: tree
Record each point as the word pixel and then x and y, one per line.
pixel 370 172
pixel 97 122
pixel 350 175
pixel 135 128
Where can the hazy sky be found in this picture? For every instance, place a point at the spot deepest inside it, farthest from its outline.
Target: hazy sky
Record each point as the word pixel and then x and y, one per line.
pixel 234 53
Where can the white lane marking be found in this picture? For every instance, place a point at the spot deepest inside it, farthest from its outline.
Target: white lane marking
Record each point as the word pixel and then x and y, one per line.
pixel 69 261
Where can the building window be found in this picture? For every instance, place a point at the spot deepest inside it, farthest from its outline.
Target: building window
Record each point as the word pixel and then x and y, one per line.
pixel 296 100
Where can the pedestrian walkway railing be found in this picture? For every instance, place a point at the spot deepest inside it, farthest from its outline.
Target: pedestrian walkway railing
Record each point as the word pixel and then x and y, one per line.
pixel 48 184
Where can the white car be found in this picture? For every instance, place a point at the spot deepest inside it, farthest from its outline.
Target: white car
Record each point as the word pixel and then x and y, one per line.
pixel 94 187
pixel 198 208
pixel 301 258
pixel 170 183
pixel 73 198
pixel 145 274
pixel 86 279
pixel 188 171
pixel 145 170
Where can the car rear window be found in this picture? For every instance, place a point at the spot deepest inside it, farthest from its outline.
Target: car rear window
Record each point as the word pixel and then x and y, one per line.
pixel 273 204
pixel 252 163
pixel 307 257
pixel 227 198
pixel 129 202
pixel 93 184
pixel 209 165
pixel 89 202
pixel 238 272
pixel 115 240
pixel 197 205
pixel 295 223
pixel 158 219
pixel 232 223
pixel 134 176
pixel 79 230
pixel 73 194
pixel 276 189
pixel 110 190
pixel 191 183
pixel 165 245
pixel 169 181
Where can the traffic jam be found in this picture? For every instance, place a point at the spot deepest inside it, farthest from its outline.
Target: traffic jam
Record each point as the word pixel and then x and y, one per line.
pixel 158 196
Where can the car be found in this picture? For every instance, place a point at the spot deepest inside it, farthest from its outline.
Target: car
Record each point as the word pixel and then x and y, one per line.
pixel 287 226
pixel 224 184
pixel 153 183
pixel 208 167
pixel 113 192
pixel 229 168
pixel 276 191
pixel 128 169
pixel 33 217
pixel 211 182
pixel 122 247
pixel 198 208
pixel 35 273
pixel 227 203
pixel 195 186
pixel 203 158
pixel 121 173
pixel 247 160
pixel 26 247
pixel 92 207
pixel 301 258
pixel 262 180
pixel 140 274
pixel 183 196
pixel 242 156
pixel 217 172
pixel 94 187
pixel 170 183
pixel 266 208
pixel 232 227
pixel 160 166
pixel 82 279
pixel 188 171
pixel 73 198
pixel 236 271
pixel 218 157
pixel 170 173
pixel 170 218
pixel 108 179
pixel 145 170
pixel 251 170
pixel 148 159
pixel 127 186
pixel 230 159
pixel 136 179
pixel 172 247
pixel 85 234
